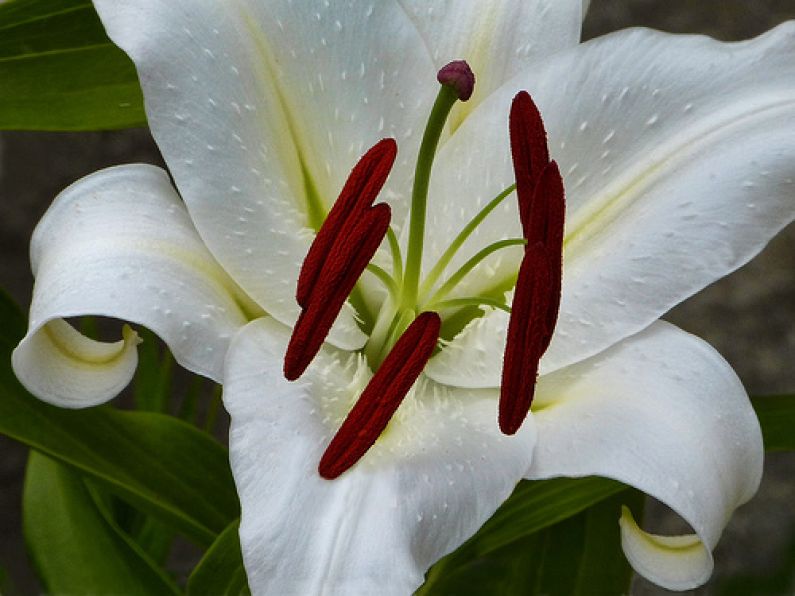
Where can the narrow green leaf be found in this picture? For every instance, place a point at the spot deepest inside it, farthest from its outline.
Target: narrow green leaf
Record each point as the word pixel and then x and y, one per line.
pixel 61 72
pixel 151 393
pixel 499 572
pixel 579 556
pixel 582 554
pixel 12 323
pixel 212 409
pixel 533 506
pixel 154 537
pixel 76 549
pixel 220 572
pixel 188 409
pixel 777 417
pixel 152 383
pixel 163 466
pixel 6 586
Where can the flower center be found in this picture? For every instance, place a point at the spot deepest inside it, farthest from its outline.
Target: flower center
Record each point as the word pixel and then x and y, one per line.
pixel 407 328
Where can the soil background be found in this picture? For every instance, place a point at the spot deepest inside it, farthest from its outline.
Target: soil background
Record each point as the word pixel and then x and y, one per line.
pixel 747 316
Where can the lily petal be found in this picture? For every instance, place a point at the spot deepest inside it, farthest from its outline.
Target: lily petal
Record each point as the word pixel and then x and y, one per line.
pixel 471 359
pixel 436 474
pixel 262 109
pixel 497 39
pixel 120 244
pixel 661 411
pixel 678 154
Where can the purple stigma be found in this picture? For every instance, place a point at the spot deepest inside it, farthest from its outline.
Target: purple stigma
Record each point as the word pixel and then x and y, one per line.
pixel 459 76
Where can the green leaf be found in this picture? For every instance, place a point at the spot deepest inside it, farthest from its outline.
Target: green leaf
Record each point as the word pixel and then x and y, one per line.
pixel 777 417
pixel 165 467
pixel 582 555
pixel 12 323
pixel 152 384
pixel 533 506
pixel 579 556
pixel 6 586
pixel 155 538
pixel 221 569
pixel 75 547
pixel 61 72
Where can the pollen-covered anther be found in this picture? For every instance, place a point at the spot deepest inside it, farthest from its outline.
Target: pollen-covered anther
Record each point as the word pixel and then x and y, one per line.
pixel 360 191
pixel 528 333
pixel 528 149
pixel 536 302
pixel 344 245
pixel 459 76
pixel 383 395
pixel 342 268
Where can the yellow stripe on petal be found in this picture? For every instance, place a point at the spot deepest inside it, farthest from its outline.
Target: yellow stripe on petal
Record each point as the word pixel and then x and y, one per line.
pixel 62 366
pixel 674 562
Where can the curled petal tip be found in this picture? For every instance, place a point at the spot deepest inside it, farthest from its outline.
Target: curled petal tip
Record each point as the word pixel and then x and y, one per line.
pixel 459 76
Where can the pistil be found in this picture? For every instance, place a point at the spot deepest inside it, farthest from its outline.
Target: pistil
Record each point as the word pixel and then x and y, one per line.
pixel 457 82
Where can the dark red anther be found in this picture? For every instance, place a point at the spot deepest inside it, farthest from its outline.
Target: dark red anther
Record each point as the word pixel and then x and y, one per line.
pixel 536 302
pixel 383 395
pixel 528 334
pixel 360 191
pixel 529 151
pixel 341 269
pixel 546 226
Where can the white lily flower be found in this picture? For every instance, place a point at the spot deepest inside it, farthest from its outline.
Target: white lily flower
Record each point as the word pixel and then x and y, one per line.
pixel 678 156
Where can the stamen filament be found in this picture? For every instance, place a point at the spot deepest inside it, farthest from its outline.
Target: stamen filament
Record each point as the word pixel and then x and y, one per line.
pixel 456 278
pixel 459 240
pixel 381 398
pixel 384 278
pixel 474 301
pixel 397 256
pixel 386 321
pixel 400 323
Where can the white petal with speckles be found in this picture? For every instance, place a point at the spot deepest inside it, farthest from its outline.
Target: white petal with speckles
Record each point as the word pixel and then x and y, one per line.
pixel 497 39
pixel 120 244
pixel 677 154
pixel 437 473
pixel 252 103
pixel 663 412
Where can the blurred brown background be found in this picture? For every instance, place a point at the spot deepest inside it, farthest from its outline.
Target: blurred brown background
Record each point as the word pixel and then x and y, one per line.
pixel 748 316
